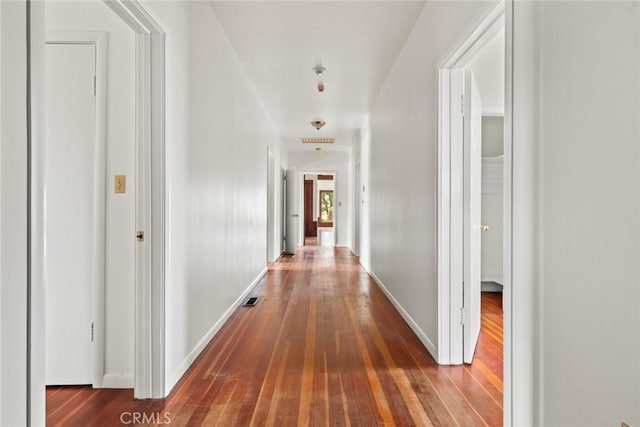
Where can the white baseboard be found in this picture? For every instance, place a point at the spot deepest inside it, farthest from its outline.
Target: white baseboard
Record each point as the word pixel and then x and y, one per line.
pixel 117 381
pixel 491 284
pixel 431 348
pixel 497 279
pixel 195 352
pixel 360 261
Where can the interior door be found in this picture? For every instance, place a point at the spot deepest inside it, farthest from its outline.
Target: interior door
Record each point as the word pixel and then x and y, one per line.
pixel 292 209
pixel 356 216
pixel 310 227
pixel 472 147
pixel 271 213
pixel 70 221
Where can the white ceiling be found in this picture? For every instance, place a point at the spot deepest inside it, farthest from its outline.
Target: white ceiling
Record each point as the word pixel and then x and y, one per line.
pixel 280 42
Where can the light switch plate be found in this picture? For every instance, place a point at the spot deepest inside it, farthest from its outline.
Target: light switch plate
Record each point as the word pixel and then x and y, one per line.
pixel 120 184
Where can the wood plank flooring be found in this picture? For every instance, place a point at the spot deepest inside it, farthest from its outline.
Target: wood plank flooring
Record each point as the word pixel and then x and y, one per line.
pixel 323 346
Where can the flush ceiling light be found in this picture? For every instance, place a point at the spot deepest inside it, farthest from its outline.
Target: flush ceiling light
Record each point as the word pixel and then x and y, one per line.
pixel 318 124
pixel 319 70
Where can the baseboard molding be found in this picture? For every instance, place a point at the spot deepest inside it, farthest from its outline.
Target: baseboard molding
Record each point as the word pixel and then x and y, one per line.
pixel 195 352
pixel 431 348
pixel 117 381
pixel 491 284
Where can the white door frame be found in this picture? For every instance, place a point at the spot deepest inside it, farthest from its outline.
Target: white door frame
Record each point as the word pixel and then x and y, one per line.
pixel 357 208
pixel 149 345
pixel 450 196
pixel 282 247
pixel 100 41
pixel 291 210
pixel 301 202
pixel 271 206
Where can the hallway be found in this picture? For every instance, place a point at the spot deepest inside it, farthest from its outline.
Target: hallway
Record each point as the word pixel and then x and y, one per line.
pixel 325 237
pixel 323 346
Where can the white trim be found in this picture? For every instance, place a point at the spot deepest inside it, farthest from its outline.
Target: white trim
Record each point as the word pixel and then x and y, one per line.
pixel 508 416
pixel 493 110
pixel 99 40
pixel 492 22
pixel 149 347
pixel 271 206
pixel 495 279
pixel 301 175
pixel 195 352
pixel 357 185
pixel 450 194
pixel 117 381
pixel 430 346
pixel 443 236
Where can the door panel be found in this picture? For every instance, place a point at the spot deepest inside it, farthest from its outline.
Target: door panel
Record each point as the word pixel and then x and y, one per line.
pixel 472 147
pixel 271 213
pixel 70 211
pixel 310 226
pixel 292 208
pixel 356 216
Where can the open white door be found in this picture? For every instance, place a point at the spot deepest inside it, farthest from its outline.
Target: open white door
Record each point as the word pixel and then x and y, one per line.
pixel 472 147
pixel 292 217
pixel 71 226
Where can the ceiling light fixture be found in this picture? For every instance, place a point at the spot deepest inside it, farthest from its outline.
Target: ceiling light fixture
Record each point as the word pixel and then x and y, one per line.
pixel 319 70
pixel 318 140
pixel 318 124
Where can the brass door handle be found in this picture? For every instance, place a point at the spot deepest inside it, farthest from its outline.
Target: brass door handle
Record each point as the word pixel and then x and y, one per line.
pixel 295 215
pixel 484 228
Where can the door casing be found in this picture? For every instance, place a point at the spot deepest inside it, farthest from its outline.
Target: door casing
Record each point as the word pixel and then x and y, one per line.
pixel 450 193
pixel 300 194
pixel 149 336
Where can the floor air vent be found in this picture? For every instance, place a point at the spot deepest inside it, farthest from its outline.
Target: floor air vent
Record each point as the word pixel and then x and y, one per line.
pixel 251 302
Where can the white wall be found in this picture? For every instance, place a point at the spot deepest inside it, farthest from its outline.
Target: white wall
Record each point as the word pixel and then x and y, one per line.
pixel 94 15
pixel 13 225
pixel 590 133
pixel 402 188
pixel 2 60
pixel 492 136
pixel 217 130
pixel 330 161
pixel 492 213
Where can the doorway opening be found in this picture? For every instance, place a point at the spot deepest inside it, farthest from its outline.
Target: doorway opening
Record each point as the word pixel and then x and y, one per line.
pixel 319 209
pixel 471 203
pixel 131 320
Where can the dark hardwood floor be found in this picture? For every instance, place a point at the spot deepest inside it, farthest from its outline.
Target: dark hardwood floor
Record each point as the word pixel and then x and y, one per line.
pixel 323 346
